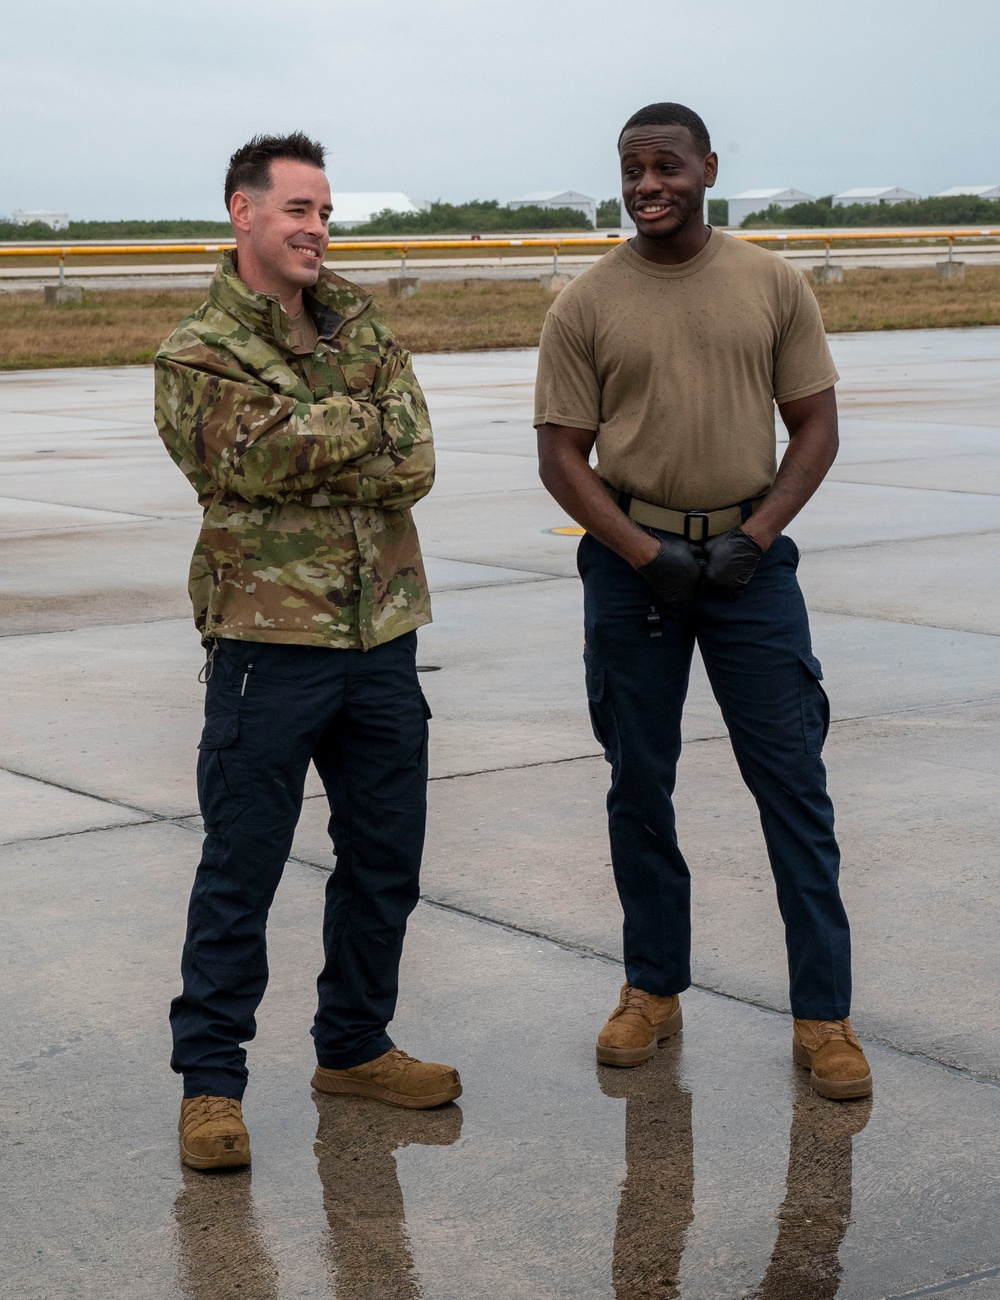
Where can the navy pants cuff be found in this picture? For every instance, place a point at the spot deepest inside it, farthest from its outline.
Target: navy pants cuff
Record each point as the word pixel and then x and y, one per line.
pixel 207 1084
pixel 348 1058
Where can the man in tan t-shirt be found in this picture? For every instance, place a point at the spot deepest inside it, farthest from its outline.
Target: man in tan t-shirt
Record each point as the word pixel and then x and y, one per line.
pixel 670 355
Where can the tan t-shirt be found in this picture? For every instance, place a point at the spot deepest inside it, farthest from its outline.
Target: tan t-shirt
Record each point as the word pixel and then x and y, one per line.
pixel 677 369
pixel 302 333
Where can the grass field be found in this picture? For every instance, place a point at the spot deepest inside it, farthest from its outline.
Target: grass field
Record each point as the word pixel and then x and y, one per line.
pixel 123 327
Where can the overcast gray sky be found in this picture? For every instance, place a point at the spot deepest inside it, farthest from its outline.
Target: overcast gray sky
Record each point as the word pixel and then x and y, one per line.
pixel 121 109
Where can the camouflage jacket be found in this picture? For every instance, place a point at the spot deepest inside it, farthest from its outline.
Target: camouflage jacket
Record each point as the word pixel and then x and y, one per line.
pixel 305 465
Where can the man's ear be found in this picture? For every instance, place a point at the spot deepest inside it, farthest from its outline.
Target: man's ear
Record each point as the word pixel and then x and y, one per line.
pixel 711 169
pixel 241 211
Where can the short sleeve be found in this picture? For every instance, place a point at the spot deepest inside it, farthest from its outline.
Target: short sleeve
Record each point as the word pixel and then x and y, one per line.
pixel 567 391
pixel 802 361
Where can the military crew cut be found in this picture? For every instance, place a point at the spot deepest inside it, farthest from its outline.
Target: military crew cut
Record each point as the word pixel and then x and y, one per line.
pixel 671 115
pixel 250 166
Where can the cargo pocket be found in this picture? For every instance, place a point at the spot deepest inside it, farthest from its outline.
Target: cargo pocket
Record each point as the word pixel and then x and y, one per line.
pixel 221 780
pixel 425 747
pixel 815 705
pixel 594 674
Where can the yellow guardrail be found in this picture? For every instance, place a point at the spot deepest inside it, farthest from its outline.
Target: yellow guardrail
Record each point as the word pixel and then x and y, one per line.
pixel 405 246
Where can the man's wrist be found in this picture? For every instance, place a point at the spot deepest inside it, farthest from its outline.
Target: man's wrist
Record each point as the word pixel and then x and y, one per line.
pixel 644 550
pixel 758 531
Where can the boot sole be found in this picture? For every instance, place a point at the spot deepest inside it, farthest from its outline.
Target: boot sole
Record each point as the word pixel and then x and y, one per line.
pixel 362 1088
pixel 833 1089
pixel 624 1057
pixel 227 1160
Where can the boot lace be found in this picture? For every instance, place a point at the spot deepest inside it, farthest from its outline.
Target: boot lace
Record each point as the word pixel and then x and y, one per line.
pixel 633 1000
pixel 828 1030
pixel 395 1062
pixel 210 1108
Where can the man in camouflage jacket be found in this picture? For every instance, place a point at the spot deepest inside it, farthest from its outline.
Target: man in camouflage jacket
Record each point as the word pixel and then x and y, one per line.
pixel 297 418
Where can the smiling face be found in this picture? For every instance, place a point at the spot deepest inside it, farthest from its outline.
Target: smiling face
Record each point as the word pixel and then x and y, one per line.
pixel 664 177
pixel 282 233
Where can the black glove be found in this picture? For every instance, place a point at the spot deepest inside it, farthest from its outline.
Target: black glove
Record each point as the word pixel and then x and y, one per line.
pixel 732 559
pixel 674 573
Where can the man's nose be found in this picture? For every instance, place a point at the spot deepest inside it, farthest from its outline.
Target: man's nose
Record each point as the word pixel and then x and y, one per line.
pixel 649 183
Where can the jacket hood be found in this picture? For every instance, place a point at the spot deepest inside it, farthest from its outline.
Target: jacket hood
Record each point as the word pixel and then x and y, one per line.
pixel 331 302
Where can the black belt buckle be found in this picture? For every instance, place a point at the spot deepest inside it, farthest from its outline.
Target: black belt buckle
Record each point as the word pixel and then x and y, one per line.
pixel 696 514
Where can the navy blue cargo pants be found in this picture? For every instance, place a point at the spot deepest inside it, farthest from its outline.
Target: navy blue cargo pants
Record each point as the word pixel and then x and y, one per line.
pixel 760 663
pixel 270 709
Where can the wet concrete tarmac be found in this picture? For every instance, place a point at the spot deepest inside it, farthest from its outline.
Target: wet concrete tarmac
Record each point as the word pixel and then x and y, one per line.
pixel 713 1173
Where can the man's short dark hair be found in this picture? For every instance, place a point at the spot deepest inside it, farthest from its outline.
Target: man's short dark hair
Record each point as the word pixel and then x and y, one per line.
pixel 671 115
pixel 250 167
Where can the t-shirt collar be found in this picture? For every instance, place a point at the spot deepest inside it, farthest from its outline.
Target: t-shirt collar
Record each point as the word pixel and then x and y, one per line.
pixel 691 267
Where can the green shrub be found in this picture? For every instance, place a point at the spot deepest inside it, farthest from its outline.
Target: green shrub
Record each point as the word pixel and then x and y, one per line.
pixel 477 217
pixel 119 230
pixel 959 210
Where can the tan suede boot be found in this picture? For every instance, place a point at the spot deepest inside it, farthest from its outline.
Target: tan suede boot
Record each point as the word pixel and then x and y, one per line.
pixel 829 1049
pixel 396 1079
pixel 213 1135
pixel 641 1021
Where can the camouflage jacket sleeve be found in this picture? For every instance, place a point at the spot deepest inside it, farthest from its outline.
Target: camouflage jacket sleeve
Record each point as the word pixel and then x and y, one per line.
pixel 252 441
pixel 401 470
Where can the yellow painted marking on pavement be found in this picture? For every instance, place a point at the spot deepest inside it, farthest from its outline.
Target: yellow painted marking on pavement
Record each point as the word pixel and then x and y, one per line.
pixel 574 531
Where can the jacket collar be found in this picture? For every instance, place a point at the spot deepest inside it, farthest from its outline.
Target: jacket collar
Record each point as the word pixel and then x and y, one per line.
pixel 332 302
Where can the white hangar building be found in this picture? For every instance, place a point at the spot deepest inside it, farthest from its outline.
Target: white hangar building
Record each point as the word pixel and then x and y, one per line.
pixel 977 191
pixel 56 220
pixel 743 204
pixel 354 208
pixel 874 194
pixel 558 199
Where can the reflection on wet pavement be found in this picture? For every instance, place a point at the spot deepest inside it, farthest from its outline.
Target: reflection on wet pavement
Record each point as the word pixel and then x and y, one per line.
pixel 221 1253
pixel 657 1199
pixel 817 1208
pixel 368 1246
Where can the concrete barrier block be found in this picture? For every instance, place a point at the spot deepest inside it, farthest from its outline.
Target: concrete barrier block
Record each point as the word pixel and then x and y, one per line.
pixel 824 274
pixel 403 286
pixel 554 281
pixel 61 295
pixel 951 270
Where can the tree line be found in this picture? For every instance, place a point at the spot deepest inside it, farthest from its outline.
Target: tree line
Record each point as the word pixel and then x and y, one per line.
pixel 476 217
pixel 956 210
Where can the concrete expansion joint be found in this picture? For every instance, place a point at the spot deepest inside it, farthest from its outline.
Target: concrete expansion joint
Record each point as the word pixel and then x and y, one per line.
pixel 148 813
pixel 875 543
pixel 942 1288
pixel 87 830
pixel 940 706
pixel 596 954
pixel 63 631
pixel 516 767
pixel 816 607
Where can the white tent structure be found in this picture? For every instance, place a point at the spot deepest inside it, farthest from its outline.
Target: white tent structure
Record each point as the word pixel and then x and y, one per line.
pixel 354 208
pixel 558 199
pixel 57 220
pixel 873 194
pixel 977 191
pixel 743 204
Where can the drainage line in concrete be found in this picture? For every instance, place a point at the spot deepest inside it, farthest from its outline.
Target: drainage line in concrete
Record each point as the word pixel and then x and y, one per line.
pixel 583 950
pixel 939 1288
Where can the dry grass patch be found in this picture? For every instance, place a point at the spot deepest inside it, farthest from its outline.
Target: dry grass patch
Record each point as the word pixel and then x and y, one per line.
pixel 469 315
pixel 910 300
pixel 125 326
pixel 120 327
